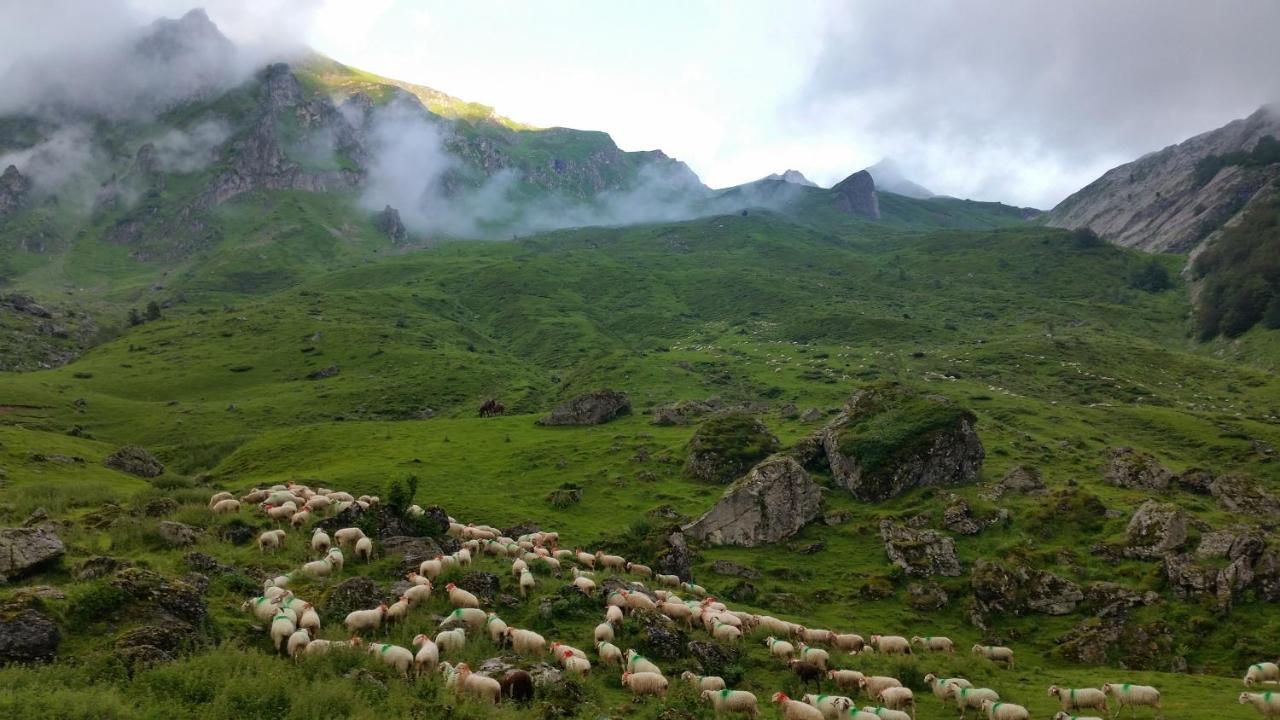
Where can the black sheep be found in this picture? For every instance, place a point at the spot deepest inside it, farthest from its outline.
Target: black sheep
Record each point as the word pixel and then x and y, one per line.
pixel 517 685
pixel 808 673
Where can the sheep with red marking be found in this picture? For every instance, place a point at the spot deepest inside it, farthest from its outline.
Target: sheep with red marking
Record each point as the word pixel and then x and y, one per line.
pixel 427 657
pixel 795 709
pixel 480 686
pixel 831 706
pixel 270 540
pixel 460 598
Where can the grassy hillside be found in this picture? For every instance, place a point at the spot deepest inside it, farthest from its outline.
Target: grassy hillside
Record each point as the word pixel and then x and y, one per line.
pixel 1041 337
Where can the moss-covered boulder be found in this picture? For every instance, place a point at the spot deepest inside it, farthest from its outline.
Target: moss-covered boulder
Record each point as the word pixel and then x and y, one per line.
pixel 725 446
pixel 890 439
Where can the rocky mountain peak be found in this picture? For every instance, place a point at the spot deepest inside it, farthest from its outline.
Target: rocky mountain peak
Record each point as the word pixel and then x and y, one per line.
pixel 14 189
pixel 794 177
pixel 890 178
pixel 194 32
pixel 856 195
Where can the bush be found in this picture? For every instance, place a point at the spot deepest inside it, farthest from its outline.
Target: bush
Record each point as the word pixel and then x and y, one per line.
pixel 96 602
pixel 725 446
pixel 1241 275
pixel 1152 277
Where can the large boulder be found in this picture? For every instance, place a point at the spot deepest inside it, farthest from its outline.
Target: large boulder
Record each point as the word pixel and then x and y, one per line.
pixel 1155 530
pixel 890 439
pixel 25 549
pixel 1245 497
pixel 357 593
pixel 593 408
pixel 134 460
pixel 1015 588
pixel 771 503
pixel 959 517
pixel 1136 470
pixel 1115 641
pixel 411 550
pixel 484 585
pixel 675 559
pixel 856 195
pixel 1020 480
pixel 659 637
pixel 682 412
pixel 176 534
pixel 27 635
pixel 726 445
pixel 920 553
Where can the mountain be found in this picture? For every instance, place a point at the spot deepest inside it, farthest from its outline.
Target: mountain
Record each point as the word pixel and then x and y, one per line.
pixel 889 177
pixel 792 176
pixel 1173 199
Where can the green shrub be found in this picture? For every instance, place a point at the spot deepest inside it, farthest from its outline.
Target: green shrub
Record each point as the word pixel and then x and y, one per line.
pixel 95 603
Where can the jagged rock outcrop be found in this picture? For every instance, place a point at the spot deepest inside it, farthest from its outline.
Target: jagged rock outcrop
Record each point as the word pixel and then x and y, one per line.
pixel 135 460
pixel 726 445
pixel 856 195
pixel 176 534
pixel 387 222
pixel 25 549
pixel 890 439
pixel 1155 530
pixel 1116 641
pixel 1157 202
pixel 1014 588
pixel 684 412
pixel 15 191
pixel 795 177
pixel 593 408
pixel 675 559
pixel 1246 497
pixel 1136 470
pixel 920 553
pixel 1020 480
pixel 959 517
pixel 771 503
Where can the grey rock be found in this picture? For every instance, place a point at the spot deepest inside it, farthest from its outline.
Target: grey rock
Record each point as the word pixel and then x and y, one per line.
pixel 1156 529
pixel 411 550
pixel 176 534
pixel 28 636
pixel 659 637
pixel 715 659
pixel 1246 497
pixel 676 559
pixel 25 549
pixel 592 408
pixel 484 585
pixel 15 191
pixel 733 569
pixel 135 460
pixel 1020 480
pixel 1195 481
pixel 683 412
pixel 926 596
pixel 357 593
pixel 811 415
pixel 1136 470
pixel 1017 589
pixel 724 446
pixel 97 567
pixel 388 223
pixel 856 195
pixel 920 553
pixel 771 503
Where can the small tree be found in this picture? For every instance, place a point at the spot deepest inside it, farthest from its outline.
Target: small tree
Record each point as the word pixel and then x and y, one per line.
pixel 153 310
pixel 1151 277
pixel 135 317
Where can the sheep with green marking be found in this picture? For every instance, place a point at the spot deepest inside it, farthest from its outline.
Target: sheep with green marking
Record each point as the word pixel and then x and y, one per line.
pixel 703 682
pixel 996 710
pixel 734 701
pixel 968 698
pixel 995 653
pixel 1079 698
pixel 1265 672
pixel 831 706
pixel 1267 703
pixel 934 643
pixel 1130 696
pixel 939 684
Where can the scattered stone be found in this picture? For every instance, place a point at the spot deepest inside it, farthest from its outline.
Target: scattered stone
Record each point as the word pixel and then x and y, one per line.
pixel 958 517
pixel 593 408
pixel 238 534
pixel 1014 588
pixel 726 567
pixel 716 659
pixel 1136 470
pixel 926 597
pixel 811 415
pixel 23 550
pixel 839 517
pixel 204 563
pixel 176 534
pixel 411 550
pixel 357 593
pixel 659 638
pixel 743 592
pixel 683 412
pixel 29 596
pixel 1246 497
pixel 484 585
pixel 920 553
pixel 39 516
pixel 97 567
pixel 1156 529
pixel 159 507
pixel 789 411
pixel 1196 481
pixel 27 635
pixel 1106 599
pixel 388 223
pixel 134 460
pixel 773 502
pixel 1114 641
pixel 1020 480
pixel 323 373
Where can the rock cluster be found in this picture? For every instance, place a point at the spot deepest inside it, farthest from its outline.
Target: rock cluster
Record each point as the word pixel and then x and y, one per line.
pixel 134 460
pixel 592 408
pixel 920 553
pixel 726 445
pixel 771 503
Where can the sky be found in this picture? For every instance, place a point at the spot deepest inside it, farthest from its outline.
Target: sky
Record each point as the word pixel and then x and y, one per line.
pixel 1021 101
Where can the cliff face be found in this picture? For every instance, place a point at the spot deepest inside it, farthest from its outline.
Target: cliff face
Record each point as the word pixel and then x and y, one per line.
pixel 856 195
pixel 1162 203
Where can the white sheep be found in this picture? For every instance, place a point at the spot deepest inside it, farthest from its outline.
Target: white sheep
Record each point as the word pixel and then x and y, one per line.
pixel 727 633
pixel 270 539
pixel 939 684
pixel 225 507
pixel 417 579
pixel 884 713
pixel 318 503
pixel 734 701
pixel 280 512
pixel 558 650
pixel 309 619
pixel 1067 716
pixel 527 583
pixel 1078 698
pixel 462 557
pixel 613 615
pixel 1265 672
pixel 585 559
pixel 668 580
pixel 815 635
pixel 394 655
pixel 322 647
pixel 1128 695
pixel 876 684
pixel 320 542
pixel 969 697
pixel 815 656
pixel 297 642
pixel 460 598
pixel 780 648
pixel 364 549
pixel 451 641
pixel 934 643
pixel 603 631
pixel 255 496
pixel 703 682
pixel 584 584
pixel 638 569
pixel 890 644
pixel 609 654
pixel 848 641
pixel 1267 703
pixel 616 563
pixel 574 664
pixel 496 628
pixel 640 664
pixel 518 567
pixel 996 710
pixel 846 679
pixel 282 626
pixel 399 610
pixel 526 642
pixel 347 536
pixel 428 655
pixel 995 653
pixel 796 710
pixel 318 569
pixel 473 618
pixel 417 594
pixel 431 569
pixel 831 706
pixel 336 559
pixel 219 497
pixel 300 518
pixel 677 611
pixel 358 620
pixel 897 698
pixel 262 607
pixel 645 683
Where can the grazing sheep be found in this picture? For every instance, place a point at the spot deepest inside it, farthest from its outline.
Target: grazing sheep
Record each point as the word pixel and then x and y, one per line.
pixel 611 562
pixel 846 679
pixel 574 664
pixel 320 542
pixel 890 644
pixel 897 698
pixel 831 706
pixel 270 539
pixel 639 664
pixel 364 549
pixel 318 569
pixel 473 618
pixel 451 641
pixel 702 682
pixel 517 685
pixel 638 600
pixel 318 503
pixel 432 568
pixel 348 536
pixel 856 714
pixel 645 683
pixel 1067 716
pixel 734 701
pixel 526 642
pixel 939 685
pixel 526 583
pixel 807 672
pixel 848 641
pixel 481 686
pixel 603 631
pixel 297 642
pixel 558 649
pixel 518 568
pixel 876 684
pixel 1078 698
pixel 884 713
pixel 395 656
pixel 677 611
pixel 1004 711
pixel 282 626
pixel 262 607
pixel 1127 695
pixel 638 569
pixel 417 594
pixel 1267 703
pixel 427 657
pixel 358 620
pixel 336 559
pixel 496 628
pixel 796 710
pixel 609 654
pixel 280 512
pixel 817 656
pixel 1262 673
pixel 779 648
pixel 726 633
pixel 968 697
pixel 310 619
pixel 255 496
pixel 695 590
pixel 995 653
pixel 934 643
pixel 417 579
pixel 460 598
pixel 219 497
pixel 398 611
pixel 613 615
pixel 299 518
pixel 225 507
pixel 585 559
pixel 322 647
pixel 668 580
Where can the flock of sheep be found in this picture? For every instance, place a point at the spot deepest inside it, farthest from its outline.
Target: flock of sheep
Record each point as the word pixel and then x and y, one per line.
pixel 294 623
